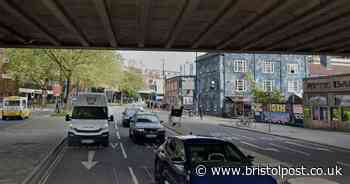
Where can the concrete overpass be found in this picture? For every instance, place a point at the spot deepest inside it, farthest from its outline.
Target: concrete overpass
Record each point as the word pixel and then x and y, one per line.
pixel 293 26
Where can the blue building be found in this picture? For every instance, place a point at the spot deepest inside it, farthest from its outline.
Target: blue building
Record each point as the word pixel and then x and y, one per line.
pixel 222 80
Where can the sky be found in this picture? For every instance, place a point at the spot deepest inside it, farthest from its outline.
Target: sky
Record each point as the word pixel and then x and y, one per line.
pixel 154 60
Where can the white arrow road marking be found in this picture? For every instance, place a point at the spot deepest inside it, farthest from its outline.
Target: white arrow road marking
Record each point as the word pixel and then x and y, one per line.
pixel 114 145
pixel 133 176
pixel 116 125
pixel 90 163
pixel 344 164
pixel 123 150
pixel 290 149
pixel 115 176
pixel 117 134
pixel 258 147
pixel 308 147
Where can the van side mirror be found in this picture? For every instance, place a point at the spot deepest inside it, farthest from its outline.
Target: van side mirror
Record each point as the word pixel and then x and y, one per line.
pixel 161 122
pixel 111 118
pixel 68 117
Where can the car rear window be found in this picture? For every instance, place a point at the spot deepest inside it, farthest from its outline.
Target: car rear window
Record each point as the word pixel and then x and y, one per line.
pixel 218 152
pixel 147 119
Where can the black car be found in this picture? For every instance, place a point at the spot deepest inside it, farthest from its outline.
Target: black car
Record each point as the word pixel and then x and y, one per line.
pixel 128 114
pixel 177 159
pixel 146 125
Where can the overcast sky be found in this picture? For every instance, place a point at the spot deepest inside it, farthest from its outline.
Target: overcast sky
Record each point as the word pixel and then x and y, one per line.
pixel 154 60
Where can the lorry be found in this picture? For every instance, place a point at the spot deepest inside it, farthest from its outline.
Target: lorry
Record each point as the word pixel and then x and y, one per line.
pixel 89 121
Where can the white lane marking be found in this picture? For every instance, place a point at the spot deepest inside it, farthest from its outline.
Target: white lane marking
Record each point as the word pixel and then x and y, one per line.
pixel 246 137
pixel 344 164
pixel 258 147
pixel 115 176
pixel 149 173
pixel 123 150
pixel 116 125
pixel 290 149
pixel 308 147
pixel 117 134
pixel 133 176
pixel 235 138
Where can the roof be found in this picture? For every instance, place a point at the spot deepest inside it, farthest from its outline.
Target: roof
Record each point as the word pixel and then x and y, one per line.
pixel 199 138
pixel 268 26
pixel 181 76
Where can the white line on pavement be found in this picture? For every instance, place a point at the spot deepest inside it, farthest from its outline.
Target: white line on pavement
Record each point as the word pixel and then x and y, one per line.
pixel 290 149
pixel 258 147
pixel 133 176
pixel 308 147
pixel 344 164
pixel 115 176
pixel 123 150
pixel 117 134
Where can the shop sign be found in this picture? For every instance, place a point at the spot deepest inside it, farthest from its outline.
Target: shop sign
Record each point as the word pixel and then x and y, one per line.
pixel 277 108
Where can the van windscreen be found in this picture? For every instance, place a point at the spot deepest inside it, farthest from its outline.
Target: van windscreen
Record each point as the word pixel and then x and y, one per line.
pixel 90 113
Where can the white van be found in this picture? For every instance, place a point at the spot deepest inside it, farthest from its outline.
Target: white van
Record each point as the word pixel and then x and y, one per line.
pixel 89 122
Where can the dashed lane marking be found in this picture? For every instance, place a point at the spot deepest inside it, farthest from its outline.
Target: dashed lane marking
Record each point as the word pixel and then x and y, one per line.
pixel 123 150
pixel 258 147
pixel 344 164
pixel 117 134
pixel 308 147
pixel 290 149
pixel 133 176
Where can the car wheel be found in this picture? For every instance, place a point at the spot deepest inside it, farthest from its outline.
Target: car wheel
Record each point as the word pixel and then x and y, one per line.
pixel 161 139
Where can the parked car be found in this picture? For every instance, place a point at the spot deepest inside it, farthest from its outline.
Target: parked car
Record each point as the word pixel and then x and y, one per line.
pixel 146 125
pixel 128 114
pixel 176 161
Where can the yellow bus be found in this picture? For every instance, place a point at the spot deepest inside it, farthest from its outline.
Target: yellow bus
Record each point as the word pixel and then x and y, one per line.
pixel 15 107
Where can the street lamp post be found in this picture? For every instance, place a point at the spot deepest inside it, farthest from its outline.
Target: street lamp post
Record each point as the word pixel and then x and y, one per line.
pixel 270 114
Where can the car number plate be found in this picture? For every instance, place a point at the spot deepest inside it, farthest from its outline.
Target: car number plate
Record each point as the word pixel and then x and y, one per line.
pixel 151 136
pixel 87 141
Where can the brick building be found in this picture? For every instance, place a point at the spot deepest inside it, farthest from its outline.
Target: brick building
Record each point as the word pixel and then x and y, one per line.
pixel 180 90
pixel 8 86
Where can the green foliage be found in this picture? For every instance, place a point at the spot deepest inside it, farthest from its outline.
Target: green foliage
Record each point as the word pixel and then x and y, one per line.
pixel 131 83
pixel 261 96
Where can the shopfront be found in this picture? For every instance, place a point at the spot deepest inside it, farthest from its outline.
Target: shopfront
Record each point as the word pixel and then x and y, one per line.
pixel 327 102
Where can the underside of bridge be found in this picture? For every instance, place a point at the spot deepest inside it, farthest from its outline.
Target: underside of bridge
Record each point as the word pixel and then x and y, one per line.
pixel 289 26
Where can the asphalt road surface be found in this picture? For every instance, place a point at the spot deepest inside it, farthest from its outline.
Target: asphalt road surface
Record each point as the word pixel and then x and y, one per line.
pixel 125 162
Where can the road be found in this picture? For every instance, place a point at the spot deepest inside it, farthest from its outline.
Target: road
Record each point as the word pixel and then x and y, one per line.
pixel 125 162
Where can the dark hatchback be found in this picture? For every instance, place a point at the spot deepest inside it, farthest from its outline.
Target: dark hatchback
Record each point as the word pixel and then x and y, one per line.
pixel 178 158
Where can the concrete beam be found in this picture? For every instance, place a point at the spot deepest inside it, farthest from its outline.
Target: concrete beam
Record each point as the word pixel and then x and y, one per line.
pixel 187 9
pixel 24 17
pixel 145 6
pixel 270 9
pixel 320 38
pixel 227 9
pixel 312 11
pixel 13 33
pixel 106 21
pixel 62 16
pixel 305 29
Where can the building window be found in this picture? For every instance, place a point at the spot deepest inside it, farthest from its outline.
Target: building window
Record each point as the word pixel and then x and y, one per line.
pixel 293 86
pixel 268 67
pixel 268 85
pixel 292 68
pixel 240 66
pixel 240 85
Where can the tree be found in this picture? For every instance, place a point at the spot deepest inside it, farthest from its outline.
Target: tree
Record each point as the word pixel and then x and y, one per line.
pixel 31 66
pixel 131 83
pixel 261 96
